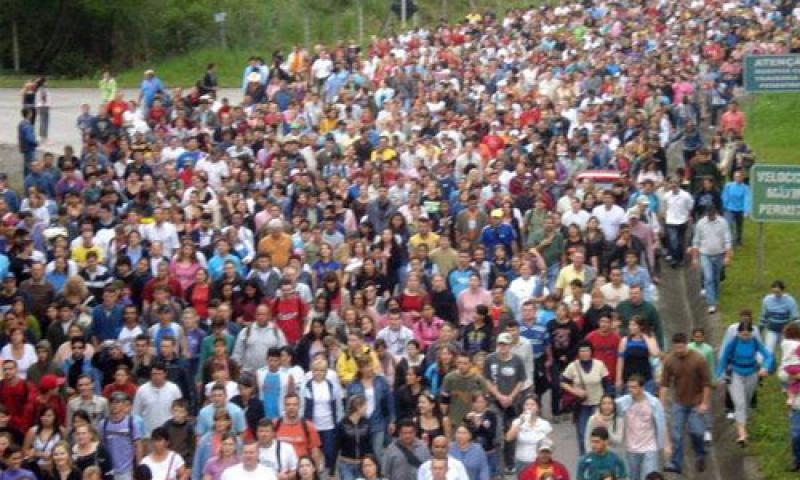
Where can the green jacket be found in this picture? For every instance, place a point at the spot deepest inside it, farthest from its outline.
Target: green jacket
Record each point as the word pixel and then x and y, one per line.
pixel 647 311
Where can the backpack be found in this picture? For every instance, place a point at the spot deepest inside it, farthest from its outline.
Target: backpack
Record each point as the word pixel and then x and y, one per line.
pixel 304 423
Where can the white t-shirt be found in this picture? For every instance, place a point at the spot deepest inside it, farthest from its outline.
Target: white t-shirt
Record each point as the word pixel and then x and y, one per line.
pixel 231 389
pixel 268 457
pixel 154 404
pixel 322 414
pixel 610 220
pixel 23 363
pixel 126 338
pixel 529 438
pixel 167 469
pixel 237 472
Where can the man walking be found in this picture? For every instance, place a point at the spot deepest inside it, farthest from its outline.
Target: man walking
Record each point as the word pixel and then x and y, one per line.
pixel 404 456
pixel 601 462
pixel 506 378
pixel 712 244
pixel 685 373
pixel 26 136
pixel 645 428
pixel 121 436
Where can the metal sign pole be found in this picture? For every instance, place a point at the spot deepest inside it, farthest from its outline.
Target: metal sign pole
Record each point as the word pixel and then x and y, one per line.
pixel 759 278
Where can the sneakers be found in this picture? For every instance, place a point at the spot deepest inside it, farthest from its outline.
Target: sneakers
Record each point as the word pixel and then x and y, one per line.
pixel 712 309
pixel 730 416
pixel 702 292
pixel 707 437
pixel 510 471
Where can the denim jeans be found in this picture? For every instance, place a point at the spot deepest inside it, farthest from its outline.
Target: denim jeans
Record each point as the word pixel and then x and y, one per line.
pixel 328 439
pixel 683 415
pixel 348 471
pixel 736 222
pixel 641 464
pixel 675 241
pixel 795 434
pixel 712 271
pixel 772 339
pixel 491 459
pixel 552 275
pixel 378 437
pixel 584 412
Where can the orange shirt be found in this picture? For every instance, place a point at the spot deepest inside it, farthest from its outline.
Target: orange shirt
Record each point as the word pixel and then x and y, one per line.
pixel 279 249
pixel 294 434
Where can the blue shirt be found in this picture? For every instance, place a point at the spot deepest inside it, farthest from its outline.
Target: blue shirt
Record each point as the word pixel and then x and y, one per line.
pixel 106 324
pixel 150 87
pixel 473 459
pixel 119 438
pixel 459 280
pixel 537 334
pixel 736 197
pixel 741 356
pixel 205 419
pixel 216 264
pixel 502 234
pixel 777 311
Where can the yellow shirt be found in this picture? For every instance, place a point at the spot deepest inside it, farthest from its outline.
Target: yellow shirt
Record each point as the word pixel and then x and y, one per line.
pixel 567 275
pixel 385 155
pixel 79 254
pixel 346 366
pixel 431 240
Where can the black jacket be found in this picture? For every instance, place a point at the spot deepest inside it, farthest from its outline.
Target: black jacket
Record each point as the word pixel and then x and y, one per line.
pixel 353 441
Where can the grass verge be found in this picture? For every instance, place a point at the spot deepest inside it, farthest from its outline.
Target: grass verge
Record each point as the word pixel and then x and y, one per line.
pixel 772 133
pixel 285 23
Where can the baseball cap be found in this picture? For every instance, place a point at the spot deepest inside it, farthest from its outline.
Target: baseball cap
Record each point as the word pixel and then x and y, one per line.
pixel 505 338
pixel 44 345
pixel 545 445
pixel 497 213
pixel 50 382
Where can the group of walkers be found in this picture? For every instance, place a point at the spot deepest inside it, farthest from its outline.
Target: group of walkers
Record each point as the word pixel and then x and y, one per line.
pixel 380 262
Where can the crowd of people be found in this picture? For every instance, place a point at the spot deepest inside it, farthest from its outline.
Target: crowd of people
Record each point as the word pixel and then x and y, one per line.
pixel 380 262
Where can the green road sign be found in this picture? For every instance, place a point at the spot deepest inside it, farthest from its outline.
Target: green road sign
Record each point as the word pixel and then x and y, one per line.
pixel 775 193
pixel 772 73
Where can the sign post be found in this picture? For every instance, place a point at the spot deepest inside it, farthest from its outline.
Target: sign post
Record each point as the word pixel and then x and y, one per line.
pixel 772 73
pixel 775 194
pixel 220 19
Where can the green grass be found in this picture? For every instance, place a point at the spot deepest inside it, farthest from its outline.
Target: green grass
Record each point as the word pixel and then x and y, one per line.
pixel 281 30
pixel 772 133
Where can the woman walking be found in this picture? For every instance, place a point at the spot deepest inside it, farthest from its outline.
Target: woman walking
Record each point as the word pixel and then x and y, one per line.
pixel 740 358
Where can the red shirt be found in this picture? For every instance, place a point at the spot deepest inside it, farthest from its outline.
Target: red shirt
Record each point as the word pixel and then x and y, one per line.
pixel 115 110
pixel 535 470
pixel 606 348
pixel 200 295
pixel 289 313
pixel 19 399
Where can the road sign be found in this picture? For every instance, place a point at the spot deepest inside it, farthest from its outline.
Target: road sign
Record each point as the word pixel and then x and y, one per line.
pixel 219 17
pixel 775 193
pixel 772 73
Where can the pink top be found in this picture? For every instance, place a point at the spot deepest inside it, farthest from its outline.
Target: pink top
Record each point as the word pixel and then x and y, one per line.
pixel 426 333
pixel 184 273
pixel 467 301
